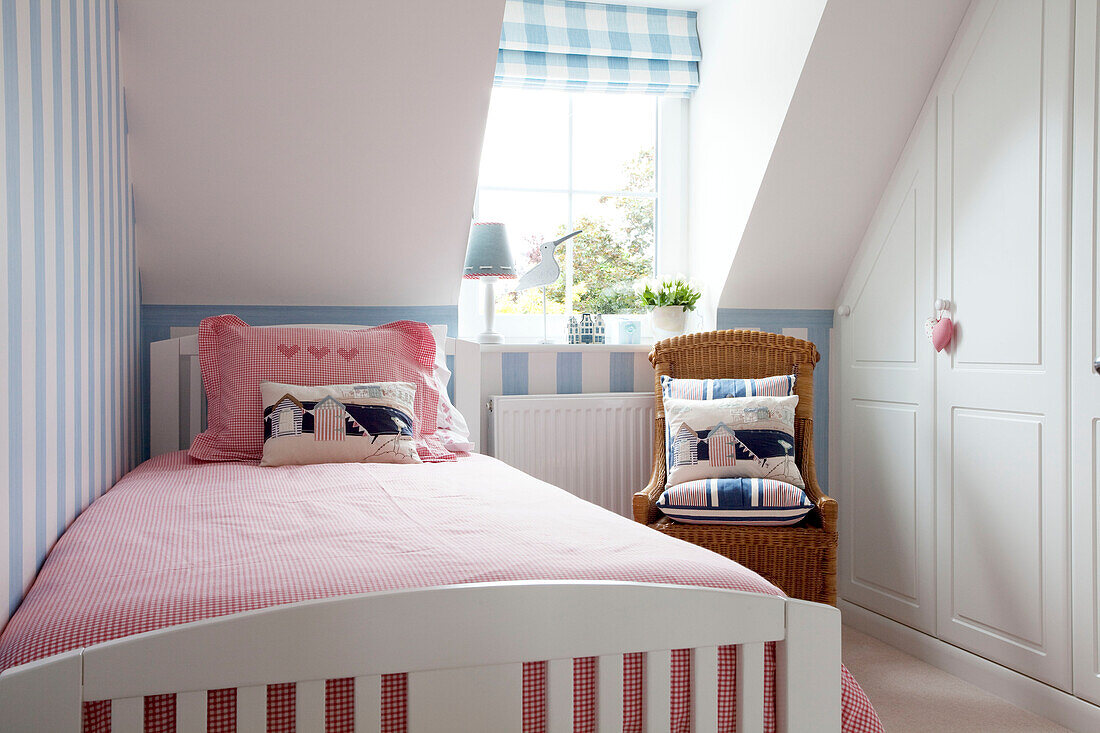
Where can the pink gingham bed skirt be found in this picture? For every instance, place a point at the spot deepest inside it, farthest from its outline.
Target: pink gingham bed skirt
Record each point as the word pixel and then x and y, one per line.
pixel 178 540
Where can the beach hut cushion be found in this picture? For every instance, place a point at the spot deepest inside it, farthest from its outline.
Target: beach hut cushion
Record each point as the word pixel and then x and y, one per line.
pixel 714 389
pixel 732 437
pixel 338 423
pixel 756 501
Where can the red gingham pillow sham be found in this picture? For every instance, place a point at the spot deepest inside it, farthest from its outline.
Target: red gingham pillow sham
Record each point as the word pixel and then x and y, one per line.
pixel 235 357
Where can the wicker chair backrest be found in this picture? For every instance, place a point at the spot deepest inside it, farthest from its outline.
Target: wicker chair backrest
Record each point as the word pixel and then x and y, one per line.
pixel 745 355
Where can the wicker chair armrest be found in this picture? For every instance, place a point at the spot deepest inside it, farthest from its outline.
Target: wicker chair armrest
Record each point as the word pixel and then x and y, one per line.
pixel 826 505
pixel 829 508
pixel 645 501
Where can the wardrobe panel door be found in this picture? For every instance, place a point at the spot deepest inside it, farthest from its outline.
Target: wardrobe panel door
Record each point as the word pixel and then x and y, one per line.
pixel 884 488
pixel 1002 245
pixel 992 450
pixel 1084 352
pixel 886 510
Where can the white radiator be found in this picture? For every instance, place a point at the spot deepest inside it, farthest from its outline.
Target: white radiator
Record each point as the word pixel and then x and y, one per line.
pixel 596 446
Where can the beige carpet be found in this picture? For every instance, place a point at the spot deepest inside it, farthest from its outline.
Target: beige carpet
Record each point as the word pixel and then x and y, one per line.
pixel 910 695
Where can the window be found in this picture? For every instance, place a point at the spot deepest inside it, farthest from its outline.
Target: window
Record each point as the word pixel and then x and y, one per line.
pixel 555 161
pixel 587 130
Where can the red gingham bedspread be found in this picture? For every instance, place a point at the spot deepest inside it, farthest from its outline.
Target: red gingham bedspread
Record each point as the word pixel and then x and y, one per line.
pixel 178 540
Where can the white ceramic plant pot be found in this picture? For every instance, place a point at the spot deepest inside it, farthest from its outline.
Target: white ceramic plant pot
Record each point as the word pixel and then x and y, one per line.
pixel 668 320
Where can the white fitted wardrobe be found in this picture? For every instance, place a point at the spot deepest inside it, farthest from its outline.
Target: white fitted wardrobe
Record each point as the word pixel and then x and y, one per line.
pixel 968 479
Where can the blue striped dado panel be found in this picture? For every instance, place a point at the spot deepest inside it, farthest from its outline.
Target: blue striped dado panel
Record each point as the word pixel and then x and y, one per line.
pixel 542 370
pixel 157 322
pixel 512 371
pixel 70 305
pixel 810 325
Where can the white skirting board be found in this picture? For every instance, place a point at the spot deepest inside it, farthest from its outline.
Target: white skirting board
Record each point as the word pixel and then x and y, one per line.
pixel 1020 690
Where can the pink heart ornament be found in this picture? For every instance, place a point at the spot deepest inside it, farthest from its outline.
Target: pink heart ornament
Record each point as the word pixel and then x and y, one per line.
pixel 348 354
pixel 288 350
pixel 942 333
pixel 319 352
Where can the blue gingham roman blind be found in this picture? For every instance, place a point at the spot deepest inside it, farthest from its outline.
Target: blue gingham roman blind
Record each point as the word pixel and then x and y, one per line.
pixel 563 44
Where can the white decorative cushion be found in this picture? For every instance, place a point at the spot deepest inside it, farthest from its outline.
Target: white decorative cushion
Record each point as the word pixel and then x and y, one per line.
pixel 340 423
pixel 758 501
pixel 452 431
pixel 735 437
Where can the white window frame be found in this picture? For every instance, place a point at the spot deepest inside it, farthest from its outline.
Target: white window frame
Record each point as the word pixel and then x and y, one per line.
pixel 671 224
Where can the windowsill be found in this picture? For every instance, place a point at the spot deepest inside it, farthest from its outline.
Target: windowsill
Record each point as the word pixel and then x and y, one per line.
pixel 524 332
pixel 535 347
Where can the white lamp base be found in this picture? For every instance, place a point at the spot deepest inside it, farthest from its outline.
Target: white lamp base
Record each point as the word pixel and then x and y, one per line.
pixel 489 336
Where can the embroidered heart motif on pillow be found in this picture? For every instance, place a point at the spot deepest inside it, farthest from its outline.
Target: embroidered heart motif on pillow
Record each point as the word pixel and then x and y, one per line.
pixel 319 352
pixel 288 350
pixel 348 354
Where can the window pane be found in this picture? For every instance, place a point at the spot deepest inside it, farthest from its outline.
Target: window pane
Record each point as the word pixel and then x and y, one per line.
pixel 614 136
pixel 526 140
pixel 615 248
pixel 530 218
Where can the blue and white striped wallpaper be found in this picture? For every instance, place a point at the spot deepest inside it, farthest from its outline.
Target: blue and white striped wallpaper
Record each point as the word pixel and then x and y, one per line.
pixel 561 370
pixel 69 313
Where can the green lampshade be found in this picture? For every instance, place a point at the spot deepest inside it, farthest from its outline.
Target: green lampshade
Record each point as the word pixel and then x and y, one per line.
pixel 488 253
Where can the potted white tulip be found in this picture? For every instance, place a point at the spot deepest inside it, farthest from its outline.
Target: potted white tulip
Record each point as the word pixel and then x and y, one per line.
pixel 668 300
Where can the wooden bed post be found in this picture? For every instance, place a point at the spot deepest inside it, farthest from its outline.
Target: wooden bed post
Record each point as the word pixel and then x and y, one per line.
pixel 807 669
pixel 468 386
pixel 43 695
pixel 164 396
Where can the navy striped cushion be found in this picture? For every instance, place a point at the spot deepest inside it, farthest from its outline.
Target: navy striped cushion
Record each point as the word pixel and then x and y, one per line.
pixel 716 389
pixel 759 501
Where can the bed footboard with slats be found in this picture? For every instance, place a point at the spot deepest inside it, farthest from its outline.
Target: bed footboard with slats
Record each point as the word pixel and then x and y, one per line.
pixel 463 649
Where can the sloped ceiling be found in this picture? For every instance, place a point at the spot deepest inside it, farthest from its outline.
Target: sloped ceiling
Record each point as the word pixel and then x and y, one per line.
pixel 866 76
pixel 753 56
pixel 288 152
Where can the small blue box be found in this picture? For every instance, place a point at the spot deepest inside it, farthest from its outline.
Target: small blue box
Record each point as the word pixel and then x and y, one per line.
pixel 630 332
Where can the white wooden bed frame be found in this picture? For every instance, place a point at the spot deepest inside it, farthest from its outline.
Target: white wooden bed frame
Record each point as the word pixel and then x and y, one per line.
pixel 462 646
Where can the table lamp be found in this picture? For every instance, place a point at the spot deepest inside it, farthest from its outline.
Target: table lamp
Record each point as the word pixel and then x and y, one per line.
pixel 489 258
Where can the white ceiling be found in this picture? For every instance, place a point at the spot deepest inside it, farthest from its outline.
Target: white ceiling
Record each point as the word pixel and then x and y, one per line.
pixel 305 152
pixel 867 74
pixel 327 153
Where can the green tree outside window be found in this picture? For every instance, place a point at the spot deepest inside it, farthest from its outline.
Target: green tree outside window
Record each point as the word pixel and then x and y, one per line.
pixel 608 256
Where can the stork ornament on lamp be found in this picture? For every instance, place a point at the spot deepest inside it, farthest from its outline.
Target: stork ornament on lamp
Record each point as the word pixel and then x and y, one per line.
pixel 544 274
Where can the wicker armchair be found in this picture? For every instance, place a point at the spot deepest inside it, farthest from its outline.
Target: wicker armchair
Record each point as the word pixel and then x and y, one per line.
pixel 800 559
